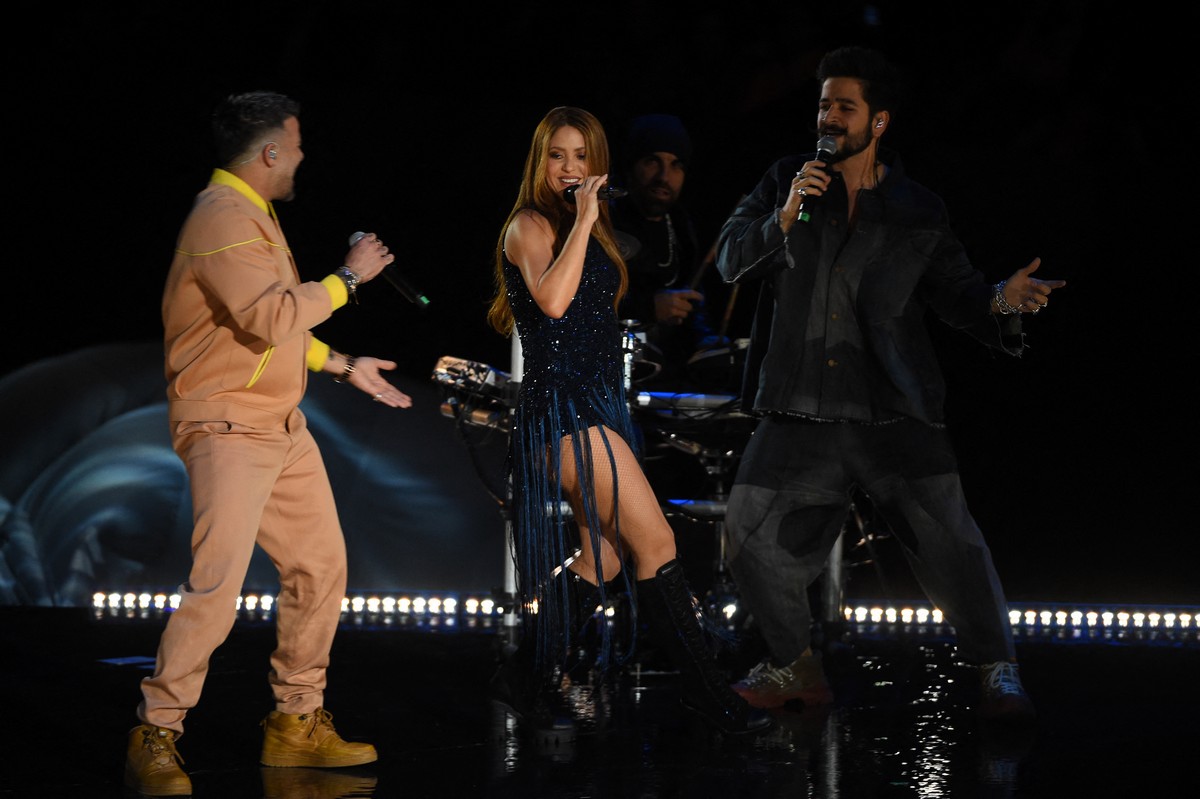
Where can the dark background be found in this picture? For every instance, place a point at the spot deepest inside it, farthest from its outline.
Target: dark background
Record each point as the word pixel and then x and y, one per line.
pixel 416 121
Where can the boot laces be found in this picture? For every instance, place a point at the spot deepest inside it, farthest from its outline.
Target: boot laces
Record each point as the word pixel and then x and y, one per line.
pixel 159 743
pixel 1001 679
pixel 318 719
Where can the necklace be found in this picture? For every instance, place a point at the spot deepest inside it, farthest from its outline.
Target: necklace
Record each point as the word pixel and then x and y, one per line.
pixel 870 176
pixel 670 243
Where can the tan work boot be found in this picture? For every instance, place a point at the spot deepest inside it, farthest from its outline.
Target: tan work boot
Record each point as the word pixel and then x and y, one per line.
pixel 308 739
pixel 768 686
pixel 152 764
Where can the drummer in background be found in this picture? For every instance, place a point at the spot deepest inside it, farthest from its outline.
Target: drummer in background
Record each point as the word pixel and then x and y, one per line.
pixel 658 239
pixel 664 306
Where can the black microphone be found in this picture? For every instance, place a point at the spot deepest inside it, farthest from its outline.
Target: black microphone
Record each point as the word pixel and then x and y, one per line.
pixel 603 193
pixel 826 150
pixel 393 276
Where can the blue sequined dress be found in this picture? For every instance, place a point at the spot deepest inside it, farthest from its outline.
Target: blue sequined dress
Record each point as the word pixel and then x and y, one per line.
pixel 572 380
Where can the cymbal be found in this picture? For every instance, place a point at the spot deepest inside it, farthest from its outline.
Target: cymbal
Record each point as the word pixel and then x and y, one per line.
pixel 628 245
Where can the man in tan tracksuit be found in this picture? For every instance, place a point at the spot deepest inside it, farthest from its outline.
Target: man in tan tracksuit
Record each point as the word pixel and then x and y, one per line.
pixel 237 333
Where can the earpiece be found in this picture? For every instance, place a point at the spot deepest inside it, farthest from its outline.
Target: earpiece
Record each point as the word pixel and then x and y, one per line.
pixel 878 124
pixel 271 154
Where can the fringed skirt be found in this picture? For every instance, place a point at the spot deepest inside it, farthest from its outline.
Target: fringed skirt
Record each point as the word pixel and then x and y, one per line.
pixel 545 536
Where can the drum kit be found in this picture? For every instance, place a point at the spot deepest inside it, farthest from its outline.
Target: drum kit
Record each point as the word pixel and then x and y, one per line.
pixel 706 428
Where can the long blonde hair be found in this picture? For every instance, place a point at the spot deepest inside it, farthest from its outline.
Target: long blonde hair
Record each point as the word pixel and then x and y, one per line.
pixel 535 193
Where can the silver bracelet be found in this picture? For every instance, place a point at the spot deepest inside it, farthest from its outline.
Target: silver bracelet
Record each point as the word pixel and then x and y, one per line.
pixel 1001 303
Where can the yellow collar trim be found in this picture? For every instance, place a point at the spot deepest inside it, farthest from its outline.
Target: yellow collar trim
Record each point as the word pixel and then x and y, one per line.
pixel 233 181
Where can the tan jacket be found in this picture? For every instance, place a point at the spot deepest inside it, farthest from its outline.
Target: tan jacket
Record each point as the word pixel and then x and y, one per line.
pixel 236 317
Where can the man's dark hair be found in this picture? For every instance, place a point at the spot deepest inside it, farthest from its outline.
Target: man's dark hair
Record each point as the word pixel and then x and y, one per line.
pixel 241 121
pixel 881 81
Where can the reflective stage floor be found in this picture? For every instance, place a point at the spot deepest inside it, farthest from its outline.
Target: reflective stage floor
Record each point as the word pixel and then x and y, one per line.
pixel 1117 718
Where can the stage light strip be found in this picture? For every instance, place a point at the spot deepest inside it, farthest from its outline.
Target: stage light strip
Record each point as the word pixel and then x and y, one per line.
pixel 1061 620
pixel 381 608
pixel 1040 622
pixel 1040 616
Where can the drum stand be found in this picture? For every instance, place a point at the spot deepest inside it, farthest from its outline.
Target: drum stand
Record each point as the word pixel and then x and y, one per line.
pixel 717 464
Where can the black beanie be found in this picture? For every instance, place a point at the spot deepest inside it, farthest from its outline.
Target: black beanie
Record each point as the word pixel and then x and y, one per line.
pixel 655 133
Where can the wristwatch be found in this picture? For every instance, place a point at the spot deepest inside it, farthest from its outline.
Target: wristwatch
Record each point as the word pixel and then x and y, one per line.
pixel 349 278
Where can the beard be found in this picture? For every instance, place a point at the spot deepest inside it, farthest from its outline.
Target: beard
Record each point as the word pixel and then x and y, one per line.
pixel 284 189
pixel 652 205
pixel 289 193
pixel 852 144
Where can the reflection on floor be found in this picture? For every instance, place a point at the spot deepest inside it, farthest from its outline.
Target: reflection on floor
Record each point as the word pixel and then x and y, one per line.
pixel 1111 715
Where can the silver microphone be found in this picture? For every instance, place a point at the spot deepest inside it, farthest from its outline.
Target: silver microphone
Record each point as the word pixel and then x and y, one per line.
pixel 826 149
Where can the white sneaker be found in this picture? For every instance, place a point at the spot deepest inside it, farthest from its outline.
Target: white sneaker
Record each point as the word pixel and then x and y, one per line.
pixel 1003 696
pixel 770 686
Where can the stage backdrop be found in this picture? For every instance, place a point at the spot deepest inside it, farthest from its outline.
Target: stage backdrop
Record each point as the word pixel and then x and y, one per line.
pixel 92 497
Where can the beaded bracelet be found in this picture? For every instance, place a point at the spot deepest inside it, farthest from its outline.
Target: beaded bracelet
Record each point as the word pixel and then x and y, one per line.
pixel 1001 303
pixel 347 370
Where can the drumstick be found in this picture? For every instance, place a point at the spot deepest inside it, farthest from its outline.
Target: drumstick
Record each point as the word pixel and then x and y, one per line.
pixel 710 258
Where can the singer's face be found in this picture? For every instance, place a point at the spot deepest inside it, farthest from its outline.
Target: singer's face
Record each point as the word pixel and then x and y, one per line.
pixel 657 180
pixel 844 115
pixel 566 159
pixel 288 156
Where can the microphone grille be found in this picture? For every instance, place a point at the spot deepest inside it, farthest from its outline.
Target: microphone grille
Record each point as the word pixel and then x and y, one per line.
pixel 355 236
pixel 827 145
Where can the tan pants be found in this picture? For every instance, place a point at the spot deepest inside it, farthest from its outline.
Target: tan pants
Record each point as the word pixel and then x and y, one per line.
pixel 253 486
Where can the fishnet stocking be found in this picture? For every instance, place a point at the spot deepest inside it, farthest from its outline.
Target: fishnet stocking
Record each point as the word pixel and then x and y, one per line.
pixel 626 507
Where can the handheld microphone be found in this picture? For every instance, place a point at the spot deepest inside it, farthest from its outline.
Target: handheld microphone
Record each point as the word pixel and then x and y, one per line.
pixel 826 150
pixel 393 276
pixel 603 193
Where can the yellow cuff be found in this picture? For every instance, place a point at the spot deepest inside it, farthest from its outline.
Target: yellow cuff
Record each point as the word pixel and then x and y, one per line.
pixel 337 290
pixel 317 355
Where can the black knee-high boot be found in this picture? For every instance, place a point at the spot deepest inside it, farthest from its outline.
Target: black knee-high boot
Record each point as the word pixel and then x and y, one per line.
pixel 666 603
